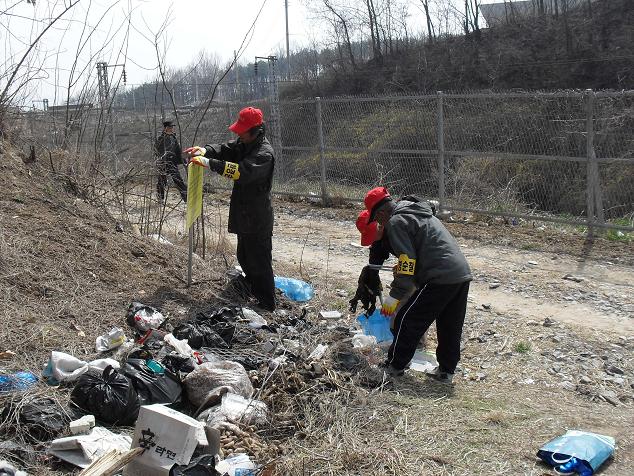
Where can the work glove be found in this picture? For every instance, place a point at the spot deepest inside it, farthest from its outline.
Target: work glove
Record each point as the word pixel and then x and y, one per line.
pixel 389 306
pixel 368 290
pixel 195 151
pixel 200 161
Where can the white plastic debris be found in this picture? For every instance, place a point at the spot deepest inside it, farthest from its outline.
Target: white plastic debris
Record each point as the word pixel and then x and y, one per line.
pixel 9 469
pixel 82 450
pixel 361 340
pixel 423 362
pixel 318 352
pixel 329 314
pixel 235 408
pixel 148 318
pixel 235 465
pixel 255 320
pixel 160 239
pixel 67 368
pixel 111 340
pixel 181 346
pixel 214 378
pixel 277 361
pixel 83 425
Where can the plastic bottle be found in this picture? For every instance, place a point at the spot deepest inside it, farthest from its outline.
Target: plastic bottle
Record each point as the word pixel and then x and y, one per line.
pixel 294 289
pixel 18 381
pixel 574 465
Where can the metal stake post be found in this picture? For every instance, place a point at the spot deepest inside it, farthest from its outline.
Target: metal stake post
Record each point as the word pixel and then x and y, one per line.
pixel 322 153
pixel 591 163
pixel 441 152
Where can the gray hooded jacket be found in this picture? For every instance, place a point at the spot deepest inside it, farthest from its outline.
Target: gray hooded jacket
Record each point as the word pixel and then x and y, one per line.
pixel 416 234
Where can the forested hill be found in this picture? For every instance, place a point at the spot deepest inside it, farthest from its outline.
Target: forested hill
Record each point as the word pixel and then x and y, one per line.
pixel 590 46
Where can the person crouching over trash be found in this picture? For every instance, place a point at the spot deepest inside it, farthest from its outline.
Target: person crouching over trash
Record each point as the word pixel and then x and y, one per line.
pixel 429 260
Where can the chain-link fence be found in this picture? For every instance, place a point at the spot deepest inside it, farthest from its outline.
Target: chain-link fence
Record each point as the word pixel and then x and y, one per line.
pixel 563 157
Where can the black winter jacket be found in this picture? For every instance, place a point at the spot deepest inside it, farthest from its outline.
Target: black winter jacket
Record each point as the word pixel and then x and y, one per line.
pixel 426 251
pixel 168 149
pixel 250 210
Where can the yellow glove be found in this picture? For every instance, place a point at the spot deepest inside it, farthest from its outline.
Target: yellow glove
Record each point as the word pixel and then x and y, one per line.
pixel 389 306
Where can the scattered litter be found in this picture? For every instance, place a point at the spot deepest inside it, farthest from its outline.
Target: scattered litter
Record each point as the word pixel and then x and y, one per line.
pixel 17 382
pixel 277 361
pixel 203 465
pixel 64 367
pixel 532 263
pixel 144 318
pixel 111 340
pixel 238 464
pixel 215 329
pixel 168 438
pixel 237 409
pixel 211 379
pixel 82 450
pixel 423 362
pixel 329 315
pixel 7 469
pixel 294 289
pixel 7 355
pixel 83 425
pixel 318 352
pixel 180 345
pixel 255 320
pixel 153 382
pixel 577 451
pixel 571 277
pixel 494 285
pixel 43 418
pixel 376 325
pixel 361 340
pixel 160 239
pixel 111 462
pixel 486 306
pixel 110 397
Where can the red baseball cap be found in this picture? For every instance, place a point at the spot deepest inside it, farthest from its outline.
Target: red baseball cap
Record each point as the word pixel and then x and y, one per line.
pixel 249 117
pixel 367 230
pixel 374 198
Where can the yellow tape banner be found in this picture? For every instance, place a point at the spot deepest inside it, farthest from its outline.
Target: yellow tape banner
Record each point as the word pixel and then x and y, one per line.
pixel 194 193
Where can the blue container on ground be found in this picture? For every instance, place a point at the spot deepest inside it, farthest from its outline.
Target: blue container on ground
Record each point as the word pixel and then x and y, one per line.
pixel 376 325
pixel 294 289
pixel 579 451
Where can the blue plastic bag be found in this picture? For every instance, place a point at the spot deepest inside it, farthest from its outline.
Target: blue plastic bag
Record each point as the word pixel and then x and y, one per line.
pixel 16 382
pixel 294 289
pixel 579 451
pixel 376 325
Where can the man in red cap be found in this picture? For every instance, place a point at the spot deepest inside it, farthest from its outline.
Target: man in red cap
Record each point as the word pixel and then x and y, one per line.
pixel 429 260
pixel 248 161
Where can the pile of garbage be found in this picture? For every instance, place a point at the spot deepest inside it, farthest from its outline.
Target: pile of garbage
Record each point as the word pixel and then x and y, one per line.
pixel 191 398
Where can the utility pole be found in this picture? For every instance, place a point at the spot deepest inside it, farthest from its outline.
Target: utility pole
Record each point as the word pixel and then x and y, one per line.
pixel 288 53
pixel 274 121
pixel 104 96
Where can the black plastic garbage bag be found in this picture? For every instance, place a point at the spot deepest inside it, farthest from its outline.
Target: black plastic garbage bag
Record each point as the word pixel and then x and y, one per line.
pixel 43 417
pixel 177 363
pixel 200 335
pixel 110 397
pixel 201 466
pixel 152 387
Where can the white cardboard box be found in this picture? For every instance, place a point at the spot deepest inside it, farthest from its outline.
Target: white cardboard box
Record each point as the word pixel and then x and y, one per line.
pixel 168 437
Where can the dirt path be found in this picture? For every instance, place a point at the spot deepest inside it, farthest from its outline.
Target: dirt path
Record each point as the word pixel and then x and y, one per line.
pixel 525 283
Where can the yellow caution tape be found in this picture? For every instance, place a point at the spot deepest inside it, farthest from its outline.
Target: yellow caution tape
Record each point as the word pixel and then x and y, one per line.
pixel 194 193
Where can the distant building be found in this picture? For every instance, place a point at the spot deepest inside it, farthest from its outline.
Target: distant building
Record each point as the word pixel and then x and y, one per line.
pixel 509 11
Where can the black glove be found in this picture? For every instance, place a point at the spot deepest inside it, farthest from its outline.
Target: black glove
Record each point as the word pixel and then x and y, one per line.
pixel 368 290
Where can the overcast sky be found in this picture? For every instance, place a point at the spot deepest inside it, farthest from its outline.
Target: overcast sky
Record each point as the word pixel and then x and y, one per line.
pixel 217 26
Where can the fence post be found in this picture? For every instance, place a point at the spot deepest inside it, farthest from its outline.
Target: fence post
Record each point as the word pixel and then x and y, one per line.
pixel 441 152
pixel 325 200
pixel 594 203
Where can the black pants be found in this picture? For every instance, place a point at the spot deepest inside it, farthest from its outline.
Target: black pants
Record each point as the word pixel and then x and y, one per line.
pixel 165 169
pixel 255 258
pixel 444 303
